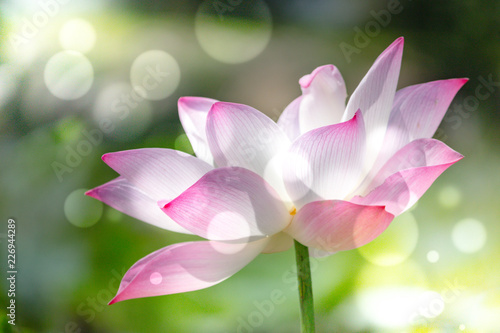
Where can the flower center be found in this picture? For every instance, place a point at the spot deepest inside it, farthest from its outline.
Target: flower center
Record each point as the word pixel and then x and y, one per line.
pixel 293 211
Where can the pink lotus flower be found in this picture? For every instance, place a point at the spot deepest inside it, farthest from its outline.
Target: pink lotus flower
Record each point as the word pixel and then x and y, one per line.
pixel 328 175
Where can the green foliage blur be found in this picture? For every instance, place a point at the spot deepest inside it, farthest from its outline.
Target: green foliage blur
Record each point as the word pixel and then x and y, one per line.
pixel 436 268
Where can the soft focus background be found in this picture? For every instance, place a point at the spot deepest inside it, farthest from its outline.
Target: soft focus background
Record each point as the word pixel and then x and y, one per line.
pixel 67 68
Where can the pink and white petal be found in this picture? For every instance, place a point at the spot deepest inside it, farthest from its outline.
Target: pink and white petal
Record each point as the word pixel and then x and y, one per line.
pixel 193 113
pixel 375 95
pixel 229 204
pixel 420 108
pixel 161 173
pixel 185 267
pixel 323 98
pixel 326 163
pixel 418 153
pixel 241 136
pixel 336 225
pixel 125 197
pixel 289 119
pixel 416 113
pixel 408 174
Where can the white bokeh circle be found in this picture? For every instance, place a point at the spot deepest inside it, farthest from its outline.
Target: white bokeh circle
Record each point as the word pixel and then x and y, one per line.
pixel 77 35
pixel 238 223
pixel 433 256
pixel 68 75
pixel 235 32
pixel 155 278
pixel 155 75
pixel 393 307
pixel 469 235
pixel 395 244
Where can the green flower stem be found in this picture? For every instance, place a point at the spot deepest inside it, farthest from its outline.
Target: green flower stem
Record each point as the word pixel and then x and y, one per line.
pixel 305 288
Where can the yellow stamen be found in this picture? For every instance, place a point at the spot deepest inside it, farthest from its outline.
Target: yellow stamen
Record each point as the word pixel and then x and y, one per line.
pixel 293 211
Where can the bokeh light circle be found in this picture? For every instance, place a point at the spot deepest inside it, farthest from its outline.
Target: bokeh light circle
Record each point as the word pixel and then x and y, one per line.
pixel 78 35
pixel 450 196
pixel 239 223
pixel 68 75
pixel 233 32
pixel 155 278
pixel 155 75
pixel 393 307
pixel 469 235
pixel 392 285
pixel 395 244
pixel 433 256
pixel 81 210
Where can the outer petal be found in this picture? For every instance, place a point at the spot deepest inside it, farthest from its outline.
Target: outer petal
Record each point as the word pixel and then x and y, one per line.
pixel 289 119
pixel 326 163
pixel 419 109
pixel 240 135
pixel 416 113
pixel 336 225
pixel 323 98
pixel 408 174
pixel 193 113
pixel 125 197
pixel 161 173
pixel 375 95
pixel 230 204
pixel 185 267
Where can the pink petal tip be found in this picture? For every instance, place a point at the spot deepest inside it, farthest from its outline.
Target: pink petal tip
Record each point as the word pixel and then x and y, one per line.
pixel 164 203
pixel 93 193
pixel 306 80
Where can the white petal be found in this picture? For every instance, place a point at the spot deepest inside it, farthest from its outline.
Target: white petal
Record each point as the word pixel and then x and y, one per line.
pixel 127 198
pixel 161 173
pixel 374 97
pixel 239 135
pixel 193 113
pixel 326 163
pixel 323 98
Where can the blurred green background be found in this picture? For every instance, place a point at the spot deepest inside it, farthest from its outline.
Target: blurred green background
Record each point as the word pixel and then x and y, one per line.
pixel 66 74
